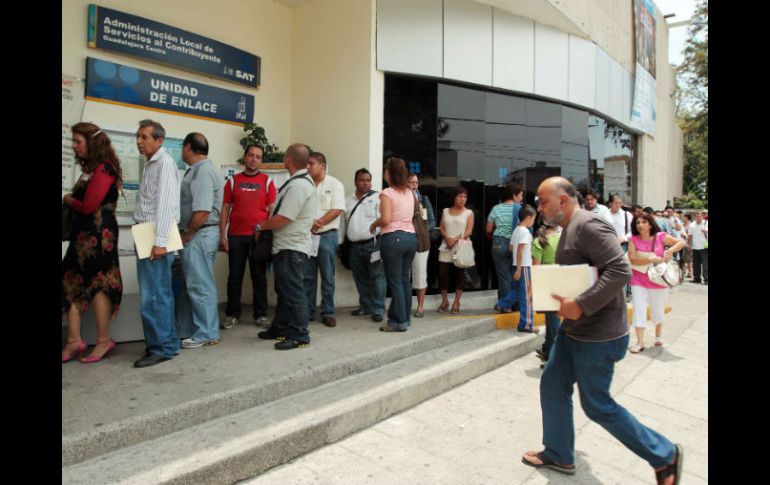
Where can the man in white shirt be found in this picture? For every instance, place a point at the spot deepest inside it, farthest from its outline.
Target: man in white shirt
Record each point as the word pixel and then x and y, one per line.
pixel 331 203
pixel 362 209
pixel 157 201
pixel 592 204
pixel 698 232
pixel 620 220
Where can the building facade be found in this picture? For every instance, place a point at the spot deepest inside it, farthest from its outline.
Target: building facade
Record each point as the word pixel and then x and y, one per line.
pixel 469 92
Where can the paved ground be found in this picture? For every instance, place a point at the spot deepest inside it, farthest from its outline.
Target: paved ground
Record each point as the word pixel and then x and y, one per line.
pixel 477 432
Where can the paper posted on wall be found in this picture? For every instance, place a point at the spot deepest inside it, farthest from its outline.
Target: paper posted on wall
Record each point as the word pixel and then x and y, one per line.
pixel 568 281
pixel 144 238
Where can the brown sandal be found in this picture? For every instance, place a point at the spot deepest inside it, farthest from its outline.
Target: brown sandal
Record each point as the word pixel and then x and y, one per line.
pixel 442 308
pixel 455 310
pixel 546 462
pixel 671 469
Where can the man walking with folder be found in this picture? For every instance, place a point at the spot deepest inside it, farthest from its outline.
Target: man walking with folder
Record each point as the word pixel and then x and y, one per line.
pixel 157 201
pixel 593 336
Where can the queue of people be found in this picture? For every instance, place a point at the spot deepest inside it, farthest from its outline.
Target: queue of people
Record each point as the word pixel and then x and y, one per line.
pixel 296 228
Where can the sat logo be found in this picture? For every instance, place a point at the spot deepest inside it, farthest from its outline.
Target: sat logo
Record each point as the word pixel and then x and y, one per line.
pixel 244 75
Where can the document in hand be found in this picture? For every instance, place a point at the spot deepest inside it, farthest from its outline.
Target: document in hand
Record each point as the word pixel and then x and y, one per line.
pixel 568 281
pixel 144 238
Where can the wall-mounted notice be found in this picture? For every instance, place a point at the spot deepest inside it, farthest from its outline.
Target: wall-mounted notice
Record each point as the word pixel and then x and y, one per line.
pixel 72 104
pixel 113 83
pixel 140 37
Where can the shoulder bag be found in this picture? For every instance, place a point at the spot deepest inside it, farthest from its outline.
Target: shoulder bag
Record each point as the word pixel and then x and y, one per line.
pixel 420 228
pixel 666 273
pixel 463 255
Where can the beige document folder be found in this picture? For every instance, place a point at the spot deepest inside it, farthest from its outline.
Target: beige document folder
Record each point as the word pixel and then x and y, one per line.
pixel 568 281
pixel 144 238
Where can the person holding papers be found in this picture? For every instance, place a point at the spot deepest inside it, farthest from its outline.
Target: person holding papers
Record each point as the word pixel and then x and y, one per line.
pixel 593 336
pixel 157 201
pixel 90 270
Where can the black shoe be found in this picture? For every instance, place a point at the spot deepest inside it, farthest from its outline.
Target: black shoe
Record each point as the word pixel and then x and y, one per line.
pixel 149 360
pixel 377 318
pixel 358 313
pixel 270 335
pixel 290 343
pixel 329 321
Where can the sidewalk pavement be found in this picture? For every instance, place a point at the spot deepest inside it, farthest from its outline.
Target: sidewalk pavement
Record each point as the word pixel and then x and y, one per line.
pixel 476 433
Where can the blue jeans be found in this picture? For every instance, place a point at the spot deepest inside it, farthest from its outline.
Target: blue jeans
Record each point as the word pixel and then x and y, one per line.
pixel 327 251
pixel 398 249
pixel 503 260
pixel 552 323
pixel 157 305
pixel 291 317
pixel 242 249
pixel 591 365
pixel 197 315
pixel 369 277
pixel 520 292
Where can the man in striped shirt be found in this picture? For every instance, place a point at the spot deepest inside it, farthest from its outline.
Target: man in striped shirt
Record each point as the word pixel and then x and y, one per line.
pixel 158 201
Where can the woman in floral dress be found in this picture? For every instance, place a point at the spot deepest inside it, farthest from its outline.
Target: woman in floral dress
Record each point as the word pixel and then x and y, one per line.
pixel 90 270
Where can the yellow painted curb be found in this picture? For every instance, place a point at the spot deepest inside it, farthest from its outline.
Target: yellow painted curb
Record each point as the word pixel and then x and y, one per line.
pixel 511 320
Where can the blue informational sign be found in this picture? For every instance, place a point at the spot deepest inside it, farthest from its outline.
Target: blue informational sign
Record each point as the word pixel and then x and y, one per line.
pixel 113 83
pixel 140 37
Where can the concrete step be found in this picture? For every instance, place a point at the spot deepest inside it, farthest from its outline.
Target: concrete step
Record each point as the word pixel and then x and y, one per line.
pixel 110 436
pixel 244 444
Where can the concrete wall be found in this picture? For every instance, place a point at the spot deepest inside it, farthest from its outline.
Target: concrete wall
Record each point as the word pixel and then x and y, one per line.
pixel 338 96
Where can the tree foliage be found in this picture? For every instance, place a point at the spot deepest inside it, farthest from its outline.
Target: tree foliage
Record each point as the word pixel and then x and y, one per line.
pixel 692 105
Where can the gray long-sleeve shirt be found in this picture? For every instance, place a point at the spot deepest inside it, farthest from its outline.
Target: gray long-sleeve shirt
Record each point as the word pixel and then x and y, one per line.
pixel 589 239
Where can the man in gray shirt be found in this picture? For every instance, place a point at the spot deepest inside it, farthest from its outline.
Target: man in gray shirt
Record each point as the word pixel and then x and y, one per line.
pixel 291 221
pixel 593 336
pixel 197 315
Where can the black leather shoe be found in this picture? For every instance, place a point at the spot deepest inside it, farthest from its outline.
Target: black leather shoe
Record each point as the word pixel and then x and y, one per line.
pixel 270 335
pixel 329 321
pixel 149 360
pixel 377 318
pixel 358 313
pixel 290 343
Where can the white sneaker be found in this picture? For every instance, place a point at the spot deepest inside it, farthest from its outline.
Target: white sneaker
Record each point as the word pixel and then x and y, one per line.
pixel 261 321
pixel 191 343
pixel 229 322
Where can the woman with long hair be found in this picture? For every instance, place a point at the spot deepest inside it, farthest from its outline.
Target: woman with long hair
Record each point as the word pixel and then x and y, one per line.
pixel 90 270
pixel 398 244
pixel 502 220
pixel 456 224
pixel 647 246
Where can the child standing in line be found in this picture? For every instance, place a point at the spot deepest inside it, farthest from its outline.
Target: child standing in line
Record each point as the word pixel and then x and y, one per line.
pixel 544 252
pixel 521 289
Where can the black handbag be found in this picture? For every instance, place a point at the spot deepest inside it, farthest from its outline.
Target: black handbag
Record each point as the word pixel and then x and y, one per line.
pixel 67 216
pixel 344 250
pixel 420 228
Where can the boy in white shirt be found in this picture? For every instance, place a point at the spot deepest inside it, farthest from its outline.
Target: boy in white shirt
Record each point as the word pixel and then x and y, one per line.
pixel 521 288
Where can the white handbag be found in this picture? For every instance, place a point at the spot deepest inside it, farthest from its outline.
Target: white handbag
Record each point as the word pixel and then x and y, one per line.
pixel 463 255
pixel 666 273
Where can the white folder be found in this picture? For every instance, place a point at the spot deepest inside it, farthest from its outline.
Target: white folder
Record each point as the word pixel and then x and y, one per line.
pixel 144 238
pixel 567 281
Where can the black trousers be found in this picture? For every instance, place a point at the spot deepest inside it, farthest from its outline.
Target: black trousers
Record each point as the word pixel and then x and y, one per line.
pixel 243 248
pixel 700 257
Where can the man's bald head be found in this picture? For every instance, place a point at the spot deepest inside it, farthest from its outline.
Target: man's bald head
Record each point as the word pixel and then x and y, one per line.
pixel 558 199
pixel 558 186
pixel 298 155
